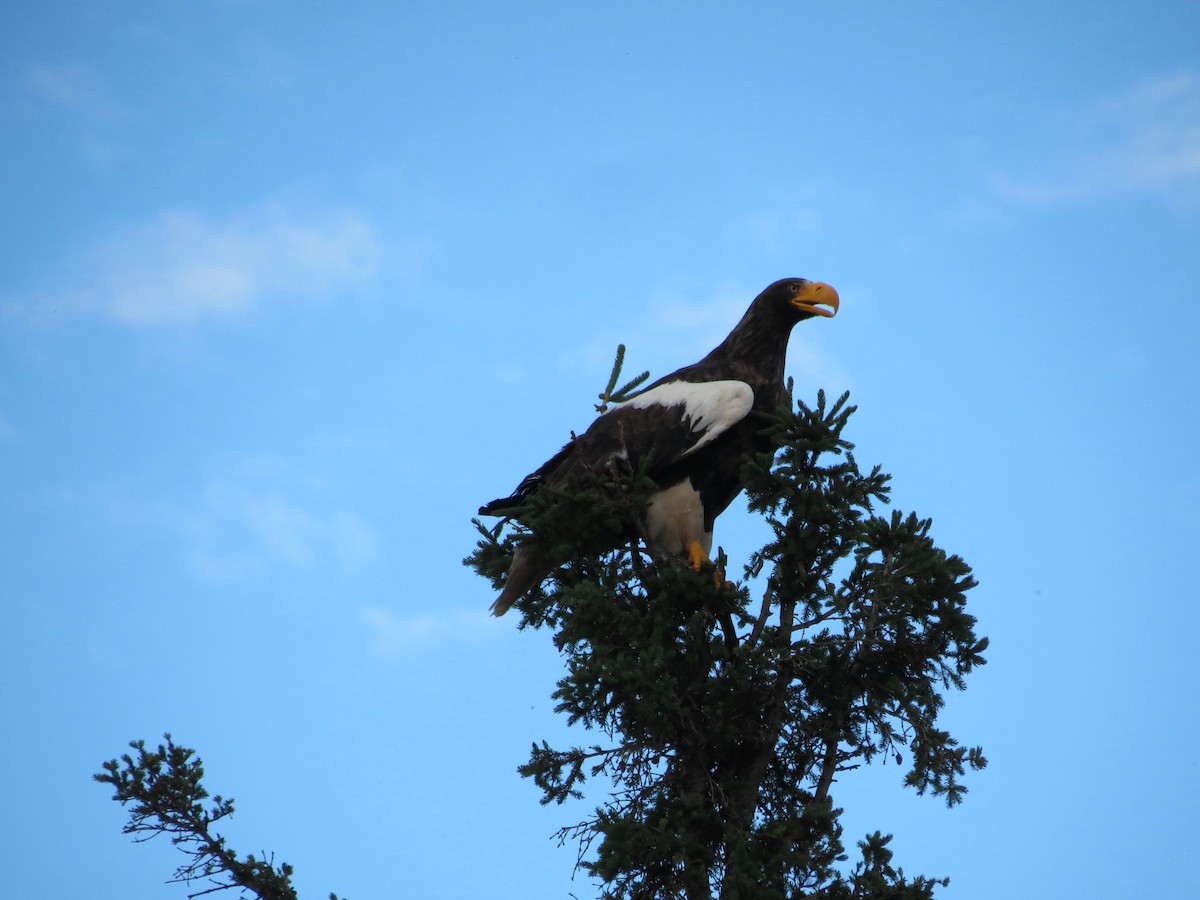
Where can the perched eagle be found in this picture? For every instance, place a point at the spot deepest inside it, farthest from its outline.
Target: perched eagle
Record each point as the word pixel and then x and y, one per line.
pixel 697 421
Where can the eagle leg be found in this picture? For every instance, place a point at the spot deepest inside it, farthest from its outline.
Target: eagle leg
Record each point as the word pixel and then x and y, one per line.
pixel 719 581
pixel 698 558
pixel 696 555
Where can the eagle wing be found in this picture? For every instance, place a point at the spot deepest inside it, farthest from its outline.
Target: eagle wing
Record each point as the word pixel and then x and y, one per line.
pixel 677 418
pixel 672 419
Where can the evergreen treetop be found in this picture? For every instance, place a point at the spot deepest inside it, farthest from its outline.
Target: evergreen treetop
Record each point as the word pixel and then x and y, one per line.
pixel 720 724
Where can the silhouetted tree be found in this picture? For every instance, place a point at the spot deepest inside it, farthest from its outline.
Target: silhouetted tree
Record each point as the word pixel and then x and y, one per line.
pixel 719 723
pixel 165 794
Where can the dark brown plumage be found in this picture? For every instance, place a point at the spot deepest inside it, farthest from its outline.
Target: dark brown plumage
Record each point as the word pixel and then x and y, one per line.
pixel 699 422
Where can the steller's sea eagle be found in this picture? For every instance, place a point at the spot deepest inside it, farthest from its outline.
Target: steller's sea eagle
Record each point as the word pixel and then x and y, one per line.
pixel 697 421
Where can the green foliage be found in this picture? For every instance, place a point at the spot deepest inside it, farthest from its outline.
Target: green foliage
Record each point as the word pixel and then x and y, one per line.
pixel 165 793
pixel 721 725
pixel 613 394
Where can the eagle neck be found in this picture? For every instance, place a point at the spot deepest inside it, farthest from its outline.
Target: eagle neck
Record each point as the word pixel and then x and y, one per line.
pixel 755 351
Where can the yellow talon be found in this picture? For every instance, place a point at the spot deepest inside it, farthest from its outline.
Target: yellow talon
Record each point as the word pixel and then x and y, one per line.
pixel 698 559
pixel 719 581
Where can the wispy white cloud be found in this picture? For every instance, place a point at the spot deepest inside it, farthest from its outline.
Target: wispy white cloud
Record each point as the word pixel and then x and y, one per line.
pixel 181 267
pixel 394 635
pixel 294 516
pixel 8 431
pixel 74 87
pixel 77 93
pixel 786 219
pixel 1146 140
pixel 237 531
pixel 779 229
pixel 261 65
pixel 264 515
pixel 681 325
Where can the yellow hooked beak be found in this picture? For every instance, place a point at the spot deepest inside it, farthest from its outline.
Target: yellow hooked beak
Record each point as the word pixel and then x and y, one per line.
pixel 813 298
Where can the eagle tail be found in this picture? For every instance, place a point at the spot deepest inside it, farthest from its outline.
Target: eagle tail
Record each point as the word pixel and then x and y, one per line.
pixel 526 572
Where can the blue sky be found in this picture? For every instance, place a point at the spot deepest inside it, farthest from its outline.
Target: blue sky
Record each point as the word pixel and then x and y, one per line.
pixel 287 292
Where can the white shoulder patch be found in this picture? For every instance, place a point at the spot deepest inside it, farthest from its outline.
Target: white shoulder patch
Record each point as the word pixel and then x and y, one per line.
pixel 710 407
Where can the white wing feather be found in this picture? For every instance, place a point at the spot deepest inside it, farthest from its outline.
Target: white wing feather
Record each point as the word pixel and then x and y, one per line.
pixel 711 407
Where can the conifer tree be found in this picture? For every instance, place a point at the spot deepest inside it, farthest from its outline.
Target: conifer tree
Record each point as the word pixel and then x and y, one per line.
pixel 163 790
pixel 718 721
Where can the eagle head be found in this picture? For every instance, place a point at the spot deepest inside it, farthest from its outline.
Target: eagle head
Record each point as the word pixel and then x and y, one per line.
pixel 799 298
